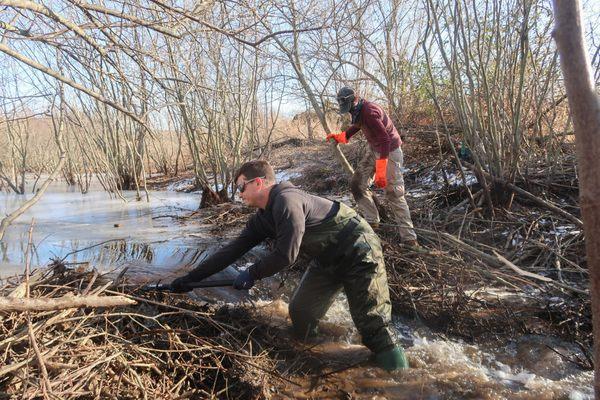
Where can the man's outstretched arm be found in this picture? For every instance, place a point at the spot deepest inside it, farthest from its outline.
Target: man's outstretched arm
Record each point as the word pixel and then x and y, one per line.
pixel 226 255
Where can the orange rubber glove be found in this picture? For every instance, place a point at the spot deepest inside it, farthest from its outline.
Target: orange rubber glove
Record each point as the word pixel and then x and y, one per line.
pixel 380 172
pixel 338 137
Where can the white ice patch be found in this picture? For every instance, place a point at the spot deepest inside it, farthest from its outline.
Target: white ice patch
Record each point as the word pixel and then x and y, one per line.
pixel 286 175
pixel 564 230
pixel 435 179
pixel 517 239
pixel 181 186
pixel 418 193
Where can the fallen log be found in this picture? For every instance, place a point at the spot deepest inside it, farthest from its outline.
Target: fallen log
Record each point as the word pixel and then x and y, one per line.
pixel 62 303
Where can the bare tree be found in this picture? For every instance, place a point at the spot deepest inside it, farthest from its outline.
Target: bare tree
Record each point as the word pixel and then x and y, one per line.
pixel 497 78
pixel 303 20
pixel 58 126
pixel 585 109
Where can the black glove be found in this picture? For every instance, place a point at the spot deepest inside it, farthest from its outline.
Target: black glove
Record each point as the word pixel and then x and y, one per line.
pixel 244 281
pixel 180 285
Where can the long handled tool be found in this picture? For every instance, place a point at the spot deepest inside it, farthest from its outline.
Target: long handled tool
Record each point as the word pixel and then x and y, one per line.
pixel 192 285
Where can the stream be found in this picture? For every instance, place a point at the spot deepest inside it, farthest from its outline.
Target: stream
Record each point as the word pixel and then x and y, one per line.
pixel 147 238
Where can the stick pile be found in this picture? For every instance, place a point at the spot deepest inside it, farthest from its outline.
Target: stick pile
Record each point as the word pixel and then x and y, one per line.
pixel 482 277
pixel 163 347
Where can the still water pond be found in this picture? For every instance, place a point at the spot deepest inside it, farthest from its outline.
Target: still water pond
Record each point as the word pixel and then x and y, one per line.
pixel 103 230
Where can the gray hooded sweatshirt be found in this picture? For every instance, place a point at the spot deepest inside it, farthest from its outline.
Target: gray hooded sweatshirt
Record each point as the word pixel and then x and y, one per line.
pixel 288 214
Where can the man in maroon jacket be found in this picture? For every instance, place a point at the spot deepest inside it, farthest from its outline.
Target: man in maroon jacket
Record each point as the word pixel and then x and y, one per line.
pixel 384 159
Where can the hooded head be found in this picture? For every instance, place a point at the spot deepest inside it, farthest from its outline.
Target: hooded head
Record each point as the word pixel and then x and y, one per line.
pixel 346 98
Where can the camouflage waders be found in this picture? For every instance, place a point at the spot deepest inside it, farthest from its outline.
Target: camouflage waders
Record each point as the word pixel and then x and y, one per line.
pixel 348 256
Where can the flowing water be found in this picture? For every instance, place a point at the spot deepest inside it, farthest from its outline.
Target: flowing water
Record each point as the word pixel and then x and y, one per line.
pixel 149 240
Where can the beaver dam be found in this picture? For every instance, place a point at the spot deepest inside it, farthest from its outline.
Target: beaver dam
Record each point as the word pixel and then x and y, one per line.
pixel 491 306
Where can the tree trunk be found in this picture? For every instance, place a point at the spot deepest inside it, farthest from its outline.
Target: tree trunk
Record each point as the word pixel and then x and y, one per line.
pixel 585 110
pixel 211 198
pixel 292 55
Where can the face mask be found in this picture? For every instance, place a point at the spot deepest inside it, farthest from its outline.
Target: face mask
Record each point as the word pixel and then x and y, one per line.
pixel 355 111
pixel 345 103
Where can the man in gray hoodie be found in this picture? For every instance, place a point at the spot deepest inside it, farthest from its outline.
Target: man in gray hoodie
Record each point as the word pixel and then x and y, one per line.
pixel 346 255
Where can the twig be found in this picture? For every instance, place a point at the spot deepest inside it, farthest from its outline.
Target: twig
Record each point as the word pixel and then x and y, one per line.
pixel 89 247
pixel 46 387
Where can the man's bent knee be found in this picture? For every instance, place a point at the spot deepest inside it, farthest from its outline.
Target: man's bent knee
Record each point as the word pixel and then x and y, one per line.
pixel 394 192
pixel 357 188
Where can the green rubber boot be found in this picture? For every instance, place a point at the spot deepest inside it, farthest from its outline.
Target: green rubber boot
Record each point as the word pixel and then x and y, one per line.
pixel 392 359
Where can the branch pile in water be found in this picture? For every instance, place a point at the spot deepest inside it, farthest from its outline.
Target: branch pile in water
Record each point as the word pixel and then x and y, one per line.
pixel 483 277
pixel 164 347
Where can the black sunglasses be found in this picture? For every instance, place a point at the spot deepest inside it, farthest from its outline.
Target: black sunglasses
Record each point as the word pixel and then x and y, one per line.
pixel 241 188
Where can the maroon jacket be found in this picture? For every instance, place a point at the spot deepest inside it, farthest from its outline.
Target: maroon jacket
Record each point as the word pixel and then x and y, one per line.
pixel 378 129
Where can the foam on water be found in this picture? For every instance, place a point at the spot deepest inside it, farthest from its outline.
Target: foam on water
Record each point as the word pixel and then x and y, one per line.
pixel 440 368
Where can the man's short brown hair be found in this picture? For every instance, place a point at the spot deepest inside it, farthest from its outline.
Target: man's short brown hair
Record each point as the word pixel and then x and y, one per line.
pixel 256 169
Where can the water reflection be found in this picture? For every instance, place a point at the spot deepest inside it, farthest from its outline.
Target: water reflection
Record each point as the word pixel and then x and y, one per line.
pixel 107 232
